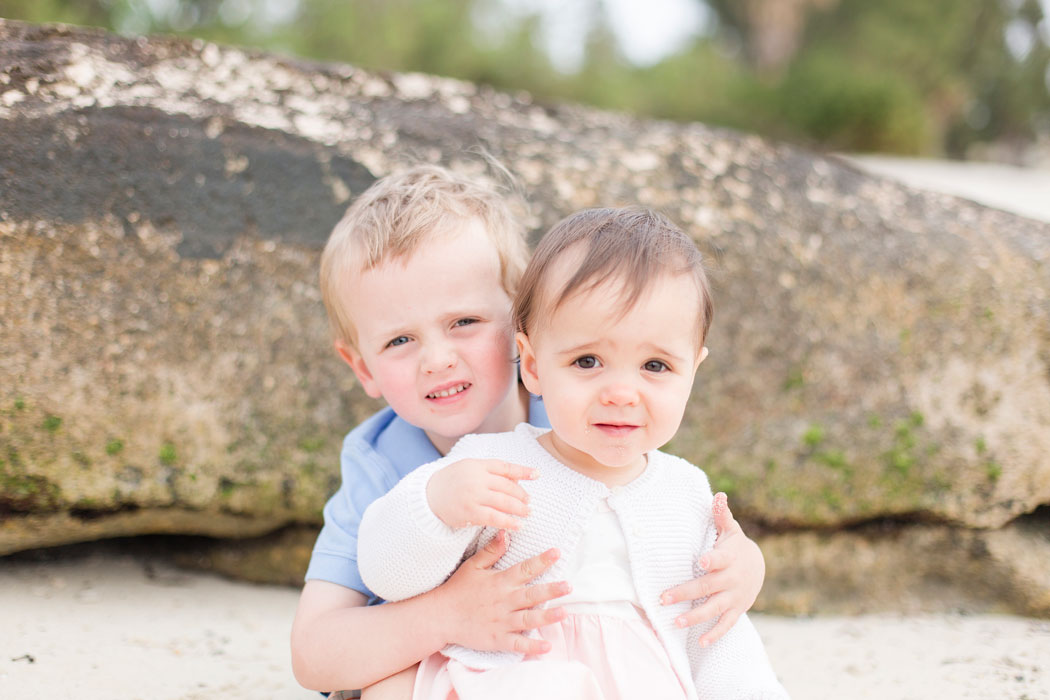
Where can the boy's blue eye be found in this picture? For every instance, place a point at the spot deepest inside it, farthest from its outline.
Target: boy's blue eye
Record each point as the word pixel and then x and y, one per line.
pixel 466 321
pixel 655 366
pixel 586 362
pixel 400 340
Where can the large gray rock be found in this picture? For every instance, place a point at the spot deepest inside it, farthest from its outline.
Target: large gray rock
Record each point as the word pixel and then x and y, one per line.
pixel 877 352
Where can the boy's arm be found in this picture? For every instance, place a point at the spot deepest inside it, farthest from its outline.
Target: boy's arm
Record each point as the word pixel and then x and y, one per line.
pixel 735 571
pixel 339 643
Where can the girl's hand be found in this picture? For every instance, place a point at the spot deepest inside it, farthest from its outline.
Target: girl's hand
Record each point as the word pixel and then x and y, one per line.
pixel 481 492
pixel 735 571
pixel 490 610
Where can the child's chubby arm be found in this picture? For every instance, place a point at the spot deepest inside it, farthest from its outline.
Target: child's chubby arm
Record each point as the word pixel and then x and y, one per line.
pixel 339 643
pixel 735 571
pixel 412 538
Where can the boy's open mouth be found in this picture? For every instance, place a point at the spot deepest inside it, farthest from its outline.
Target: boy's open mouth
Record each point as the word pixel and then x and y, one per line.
pixel 448 391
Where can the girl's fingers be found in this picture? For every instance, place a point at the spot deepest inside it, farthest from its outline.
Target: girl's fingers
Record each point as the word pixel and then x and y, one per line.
pixel 505 504
pixel 508 487
pixel 490 517
pixel 515 472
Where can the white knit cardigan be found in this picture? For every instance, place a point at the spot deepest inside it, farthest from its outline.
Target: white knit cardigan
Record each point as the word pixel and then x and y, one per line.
pixel 404 550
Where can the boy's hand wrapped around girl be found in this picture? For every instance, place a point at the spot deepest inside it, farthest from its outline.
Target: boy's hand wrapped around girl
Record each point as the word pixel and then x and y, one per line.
pixel 728 594
pixel 489 609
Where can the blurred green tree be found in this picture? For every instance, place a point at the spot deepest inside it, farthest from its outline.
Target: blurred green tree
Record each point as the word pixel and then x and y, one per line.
pixel 930 77
pixel 934 77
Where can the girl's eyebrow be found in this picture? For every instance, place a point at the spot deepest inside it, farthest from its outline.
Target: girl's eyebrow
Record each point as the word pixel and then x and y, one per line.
pixel 582 347
pixel 660 350
pixel 649 349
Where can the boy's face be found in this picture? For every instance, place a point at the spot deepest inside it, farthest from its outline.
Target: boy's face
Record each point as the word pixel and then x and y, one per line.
pixel 615 387
pixel 434 337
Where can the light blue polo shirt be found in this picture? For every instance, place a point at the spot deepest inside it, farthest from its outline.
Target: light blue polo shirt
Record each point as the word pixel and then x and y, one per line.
pixel 376 454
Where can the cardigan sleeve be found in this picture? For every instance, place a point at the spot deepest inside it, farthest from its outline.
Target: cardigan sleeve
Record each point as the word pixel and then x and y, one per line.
pixel 403 548
pixel 735 667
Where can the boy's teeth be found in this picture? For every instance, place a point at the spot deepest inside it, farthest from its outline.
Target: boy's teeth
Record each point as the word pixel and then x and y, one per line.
pixel 447 392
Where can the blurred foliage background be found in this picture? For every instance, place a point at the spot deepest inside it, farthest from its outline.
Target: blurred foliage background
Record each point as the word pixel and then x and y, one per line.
pixel 955 78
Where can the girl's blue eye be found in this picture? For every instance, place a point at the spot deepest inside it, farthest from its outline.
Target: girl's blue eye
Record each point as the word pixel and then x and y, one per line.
pixel 656 366
pixel 586 362
pixel 400 340
pixel 466 321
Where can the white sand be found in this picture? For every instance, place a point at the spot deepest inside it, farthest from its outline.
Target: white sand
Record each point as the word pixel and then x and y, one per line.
pixel 1024 191
pixel 111 626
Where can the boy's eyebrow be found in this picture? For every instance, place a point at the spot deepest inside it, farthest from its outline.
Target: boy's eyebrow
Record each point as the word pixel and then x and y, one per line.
pixel 384 334
pixel 464 311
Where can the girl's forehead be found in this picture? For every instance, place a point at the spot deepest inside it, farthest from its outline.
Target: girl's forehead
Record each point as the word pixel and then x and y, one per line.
pixel 611 303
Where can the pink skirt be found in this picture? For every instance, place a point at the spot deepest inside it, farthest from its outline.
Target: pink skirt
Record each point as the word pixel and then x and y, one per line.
pixel 592 657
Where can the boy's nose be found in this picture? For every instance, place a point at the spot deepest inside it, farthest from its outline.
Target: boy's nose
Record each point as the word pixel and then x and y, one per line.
pixel 439 358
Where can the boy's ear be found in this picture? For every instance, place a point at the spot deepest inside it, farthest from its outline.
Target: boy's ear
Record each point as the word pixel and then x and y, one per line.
pixel 527 359
pixel 357 363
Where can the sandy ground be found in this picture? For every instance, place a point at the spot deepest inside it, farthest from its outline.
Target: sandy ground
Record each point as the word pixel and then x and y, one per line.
pixel 1024 191
pixel 111 626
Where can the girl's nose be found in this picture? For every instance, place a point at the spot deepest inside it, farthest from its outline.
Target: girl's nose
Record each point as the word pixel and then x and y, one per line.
pixel 619 393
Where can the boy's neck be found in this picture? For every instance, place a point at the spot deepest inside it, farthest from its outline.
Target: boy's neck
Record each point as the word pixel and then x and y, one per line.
pixel 508 413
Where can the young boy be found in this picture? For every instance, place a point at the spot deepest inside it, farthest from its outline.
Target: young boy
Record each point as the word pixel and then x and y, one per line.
pixel 418 280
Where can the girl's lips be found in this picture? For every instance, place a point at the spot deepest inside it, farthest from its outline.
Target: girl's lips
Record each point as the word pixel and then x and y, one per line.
pixel 615 429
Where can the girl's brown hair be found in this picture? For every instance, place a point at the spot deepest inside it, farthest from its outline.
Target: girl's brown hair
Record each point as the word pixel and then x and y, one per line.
pixel 632 244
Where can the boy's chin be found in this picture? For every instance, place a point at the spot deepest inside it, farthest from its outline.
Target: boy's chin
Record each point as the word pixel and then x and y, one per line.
pixel 446 434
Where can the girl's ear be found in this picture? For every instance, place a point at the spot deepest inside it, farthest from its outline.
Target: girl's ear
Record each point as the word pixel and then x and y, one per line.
pixel 357 363
pixel 527 358
pixel 700 358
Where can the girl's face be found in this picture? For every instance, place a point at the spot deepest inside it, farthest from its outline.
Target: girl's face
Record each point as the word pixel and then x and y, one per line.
pixel 615 385
pixel 434 337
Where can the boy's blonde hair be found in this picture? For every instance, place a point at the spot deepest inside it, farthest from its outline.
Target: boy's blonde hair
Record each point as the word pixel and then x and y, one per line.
pixel 398 213
pixel 632 244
